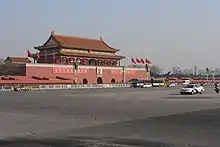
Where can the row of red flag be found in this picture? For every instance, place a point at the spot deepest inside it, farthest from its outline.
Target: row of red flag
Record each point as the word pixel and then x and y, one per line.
pixel 35 56
pixel 140 61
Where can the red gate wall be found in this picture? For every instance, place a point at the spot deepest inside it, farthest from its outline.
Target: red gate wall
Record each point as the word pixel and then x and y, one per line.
pixel 51 71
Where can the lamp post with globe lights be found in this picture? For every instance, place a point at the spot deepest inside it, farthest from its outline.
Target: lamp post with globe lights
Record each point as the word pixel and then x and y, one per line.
pixel 213 76
pixel 207 75
pixel 75 70
pixel 123 73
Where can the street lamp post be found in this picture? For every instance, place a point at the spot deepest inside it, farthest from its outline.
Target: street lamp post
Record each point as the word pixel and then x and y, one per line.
pixel 147 71
pixel 75 71
pixel 207 75
pixel 123 69
pixel 213 76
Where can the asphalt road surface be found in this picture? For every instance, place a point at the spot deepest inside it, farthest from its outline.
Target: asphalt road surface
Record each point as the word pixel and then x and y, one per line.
pixel 110 117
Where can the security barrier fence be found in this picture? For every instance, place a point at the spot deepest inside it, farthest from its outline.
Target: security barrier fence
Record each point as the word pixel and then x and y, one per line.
pixel 64 86
pixel 76 86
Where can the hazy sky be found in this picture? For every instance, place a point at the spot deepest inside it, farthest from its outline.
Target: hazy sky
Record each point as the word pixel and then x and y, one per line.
pixel 169 32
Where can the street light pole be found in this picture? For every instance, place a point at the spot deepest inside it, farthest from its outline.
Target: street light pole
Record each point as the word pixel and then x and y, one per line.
pixel 73 73
pixel 123 69
pixel 75 70
pixel 213 76
pixel 207 78
pixel 147 71
pixel 207 75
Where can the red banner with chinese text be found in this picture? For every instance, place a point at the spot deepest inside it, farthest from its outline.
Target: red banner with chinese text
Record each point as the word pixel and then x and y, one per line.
pixel 118 72
pixel 69 70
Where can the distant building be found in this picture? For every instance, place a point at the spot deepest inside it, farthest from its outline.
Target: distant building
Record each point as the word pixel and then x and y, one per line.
pixel 1 61
pixel 16 60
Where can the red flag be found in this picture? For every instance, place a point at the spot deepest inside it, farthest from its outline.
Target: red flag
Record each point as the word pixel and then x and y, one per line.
pixel 142 60
pixel 29 54
pixel 148 61
pixel 133 61
pixel 37 55
pixel 137 60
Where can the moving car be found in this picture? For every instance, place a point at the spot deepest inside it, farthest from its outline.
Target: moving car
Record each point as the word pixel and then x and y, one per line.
pixel 146 85
pixel 22 88
pixel 192 89
pixel 138 83
pixel 158 83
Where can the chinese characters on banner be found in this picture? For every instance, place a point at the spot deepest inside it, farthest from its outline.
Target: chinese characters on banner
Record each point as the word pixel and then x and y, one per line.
pixel 69 70
pixel 118 72
pixel 85 71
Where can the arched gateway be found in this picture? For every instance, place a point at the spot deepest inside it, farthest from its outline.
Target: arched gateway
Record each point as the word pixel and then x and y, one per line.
pixel 99 80
pixel 113 81
pixel 85 81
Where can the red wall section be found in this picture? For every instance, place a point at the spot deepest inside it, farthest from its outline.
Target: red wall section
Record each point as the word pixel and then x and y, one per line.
pixel 89 73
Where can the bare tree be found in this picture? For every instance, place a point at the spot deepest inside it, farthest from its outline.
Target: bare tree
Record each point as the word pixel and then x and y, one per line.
pixel 155 70
pixel 176 70
pixel 1 61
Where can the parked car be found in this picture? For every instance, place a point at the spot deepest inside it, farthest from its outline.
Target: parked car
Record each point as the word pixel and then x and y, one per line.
pixel 192 89
pixel 22 88
pixel 138 83
pixel 172 85
pixel 158 83
pixel 146 85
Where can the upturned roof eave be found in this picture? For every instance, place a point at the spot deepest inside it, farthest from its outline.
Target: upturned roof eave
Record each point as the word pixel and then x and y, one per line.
pixel 46 47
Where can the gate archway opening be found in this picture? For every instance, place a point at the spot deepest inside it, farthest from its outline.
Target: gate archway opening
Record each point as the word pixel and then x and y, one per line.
pixel 113 81
pixel 85 81
pixel 99 80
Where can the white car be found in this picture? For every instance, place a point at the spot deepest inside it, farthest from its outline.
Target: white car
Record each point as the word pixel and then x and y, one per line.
pixel 192 89
pixel 146 85
pixel 156 84
pixel 172 85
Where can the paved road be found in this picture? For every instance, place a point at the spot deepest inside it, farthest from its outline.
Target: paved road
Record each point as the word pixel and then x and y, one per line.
pixel 134 117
